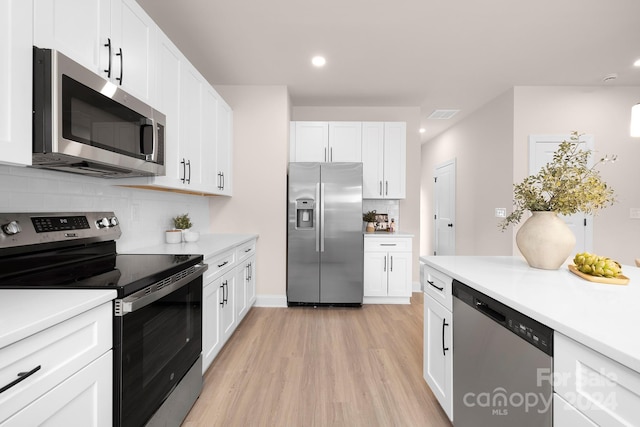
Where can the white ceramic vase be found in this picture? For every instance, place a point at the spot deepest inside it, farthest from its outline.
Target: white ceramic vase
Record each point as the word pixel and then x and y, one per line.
pixel 545 240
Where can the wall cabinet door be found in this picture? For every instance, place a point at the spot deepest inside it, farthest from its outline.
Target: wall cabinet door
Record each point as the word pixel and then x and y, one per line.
pixel 345 142
pixel 399 269
pixel 224 148
pixel 438 352
pixel 113 38
pixel 372 160
pixel 375 274
pixel 310 141
pixel 16 81
pixel 192 86
pixel 211 330
pixel 395 160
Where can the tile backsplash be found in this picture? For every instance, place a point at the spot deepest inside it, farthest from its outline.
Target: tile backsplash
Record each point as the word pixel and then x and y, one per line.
pixel 390 207
pixel 143 214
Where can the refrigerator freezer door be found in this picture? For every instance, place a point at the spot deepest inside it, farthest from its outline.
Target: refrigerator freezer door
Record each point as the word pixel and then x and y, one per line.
pixel 341 236
pixel 303 258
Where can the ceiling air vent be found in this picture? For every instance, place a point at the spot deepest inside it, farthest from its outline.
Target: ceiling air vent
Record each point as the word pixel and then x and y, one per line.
pixel 443 114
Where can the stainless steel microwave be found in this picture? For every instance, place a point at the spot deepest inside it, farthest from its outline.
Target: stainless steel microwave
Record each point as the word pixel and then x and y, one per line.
pixel 83 123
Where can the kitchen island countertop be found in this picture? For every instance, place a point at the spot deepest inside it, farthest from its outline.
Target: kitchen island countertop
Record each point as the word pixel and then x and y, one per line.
pixel 208 245
pixel 600 316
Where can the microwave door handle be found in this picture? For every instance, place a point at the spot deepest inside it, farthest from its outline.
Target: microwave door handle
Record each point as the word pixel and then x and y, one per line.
pixel 147 138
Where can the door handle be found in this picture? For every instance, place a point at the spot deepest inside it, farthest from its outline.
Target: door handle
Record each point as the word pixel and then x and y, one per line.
pixel 315 213
pixel 444 349
pixel 322 215
pixel 433 284
pixel 108 70
pixel 121 65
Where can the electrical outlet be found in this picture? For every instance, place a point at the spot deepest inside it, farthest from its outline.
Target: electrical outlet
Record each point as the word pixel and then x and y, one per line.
pixel 634 213
pixel 501 212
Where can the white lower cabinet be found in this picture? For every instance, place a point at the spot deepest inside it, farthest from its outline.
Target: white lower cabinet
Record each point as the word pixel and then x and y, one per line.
pixel 438 352
pixel 82 400
pixel 68 376
pixel 228 294
pixel 565 415
pixel 387 270
pixel 596 387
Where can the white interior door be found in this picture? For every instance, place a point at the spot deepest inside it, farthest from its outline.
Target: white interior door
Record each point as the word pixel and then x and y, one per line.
pixel 445 209
pixel 541 149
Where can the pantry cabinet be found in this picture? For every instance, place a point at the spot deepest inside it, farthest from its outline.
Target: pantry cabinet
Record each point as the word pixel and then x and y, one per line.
pixel 384 160
pixel 326 142
pixel 113 38
pixel 16 82
pixel 387 270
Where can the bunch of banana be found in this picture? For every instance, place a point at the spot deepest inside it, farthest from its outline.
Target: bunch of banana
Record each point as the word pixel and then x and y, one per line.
pixel 596 265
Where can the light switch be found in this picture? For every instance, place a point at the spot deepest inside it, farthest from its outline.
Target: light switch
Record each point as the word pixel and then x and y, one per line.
pixel 634 213
pixel 501 212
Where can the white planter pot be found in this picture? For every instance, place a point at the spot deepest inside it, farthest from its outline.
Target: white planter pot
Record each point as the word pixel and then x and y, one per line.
pixel 545 240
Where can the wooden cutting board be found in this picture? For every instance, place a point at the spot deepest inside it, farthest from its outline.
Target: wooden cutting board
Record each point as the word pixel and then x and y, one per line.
pixel 618 280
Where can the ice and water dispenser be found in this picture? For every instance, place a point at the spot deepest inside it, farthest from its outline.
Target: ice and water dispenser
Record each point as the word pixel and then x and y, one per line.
pixel 304 213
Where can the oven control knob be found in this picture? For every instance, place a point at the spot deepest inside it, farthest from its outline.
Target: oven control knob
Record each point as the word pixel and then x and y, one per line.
pixel 113 221
pixel 102 223
pixel 12 228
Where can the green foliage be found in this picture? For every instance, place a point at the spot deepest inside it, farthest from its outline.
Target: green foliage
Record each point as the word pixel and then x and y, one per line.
pixel 369 216
pixel 182 222
pixel 566 185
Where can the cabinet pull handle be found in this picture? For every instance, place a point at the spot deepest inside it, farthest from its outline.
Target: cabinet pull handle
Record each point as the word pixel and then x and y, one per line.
pixel 331 154
pixel 219 181
pixel 391 269
pixel 247 250
pixel 189 164
pixel 222 300
pixel 223 264
pixel 121 65
pixel 325 154
pixel 385 263
pixel 226 294
pixel 108 70
pixel 21 377
pixel 381 188
pixel 386 188
pixel 222 173
pixel 444 349
pixel 434 285
pixel 250 270
pixel 184 171
pixel 388 244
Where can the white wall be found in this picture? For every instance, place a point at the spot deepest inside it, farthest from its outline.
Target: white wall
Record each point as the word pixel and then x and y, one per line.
pixel 144 215
pixel 494 140
pixel 409 207
pixel 260 157
pixel 482 147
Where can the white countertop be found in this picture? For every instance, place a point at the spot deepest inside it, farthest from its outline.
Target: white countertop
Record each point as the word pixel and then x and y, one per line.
pixel 600 316
pixel 387 234
pixel 24 312
pixel 208 245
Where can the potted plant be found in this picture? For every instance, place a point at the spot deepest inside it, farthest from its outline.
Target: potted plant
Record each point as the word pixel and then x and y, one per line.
pixel 181 223
pixel 566 185
pixel 370 219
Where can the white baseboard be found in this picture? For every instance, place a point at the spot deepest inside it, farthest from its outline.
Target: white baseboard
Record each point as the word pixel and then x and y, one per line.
pixel 271 301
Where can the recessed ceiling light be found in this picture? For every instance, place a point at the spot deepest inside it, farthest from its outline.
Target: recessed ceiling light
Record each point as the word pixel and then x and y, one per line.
pixel 318 61
pixel 637 63
pixel 422 130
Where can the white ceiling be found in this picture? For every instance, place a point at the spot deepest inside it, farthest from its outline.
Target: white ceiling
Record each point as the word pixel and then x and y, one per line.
pixel 436 54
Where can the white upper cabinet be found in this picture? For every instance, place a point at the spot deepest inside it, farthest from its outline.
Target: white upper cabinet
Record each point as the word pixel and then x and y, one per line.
pixel 384 147
pixel 326 142
pixel 113 38
pixel 15 81
pixel 224 148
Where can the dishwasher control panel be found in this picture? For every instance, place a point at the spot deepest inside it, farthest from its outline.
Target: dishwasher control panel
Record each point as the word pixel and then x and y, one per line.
pixel 530 330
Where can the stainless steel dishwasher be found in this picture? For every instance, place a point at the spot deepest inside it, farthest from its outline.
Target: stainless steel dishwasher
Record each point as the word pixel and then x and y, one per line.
pixel 502 364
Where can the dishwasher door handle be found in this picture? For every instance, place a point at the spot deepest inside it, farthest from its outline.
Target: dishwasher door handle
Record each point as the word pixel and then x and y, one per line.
pixel 444 349
pixel 495 315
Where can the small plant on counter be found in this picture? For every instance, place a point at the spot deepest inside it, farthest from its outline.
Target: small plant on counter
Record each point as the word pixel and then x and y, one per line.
pixel 369 216
pixel 182 222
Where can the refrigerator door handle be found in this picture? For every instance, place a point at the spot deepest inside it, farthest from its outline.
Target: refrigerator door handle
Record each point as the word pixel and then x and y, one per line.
pixel 322 217
pixel 316 212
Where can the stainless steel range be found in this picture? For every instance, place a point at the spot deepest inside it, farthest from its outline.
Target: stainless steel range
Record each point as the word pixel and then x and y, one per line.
pixel 157 324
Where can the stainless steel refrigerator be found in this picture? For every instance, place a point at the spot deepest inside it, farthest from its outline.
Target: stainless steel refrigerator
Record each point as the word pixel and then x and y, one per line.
pixel 325 240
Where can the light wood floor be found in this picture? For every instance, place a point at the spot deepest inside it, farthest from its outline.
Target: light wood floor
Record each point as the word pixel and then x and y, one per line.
pixel 321 367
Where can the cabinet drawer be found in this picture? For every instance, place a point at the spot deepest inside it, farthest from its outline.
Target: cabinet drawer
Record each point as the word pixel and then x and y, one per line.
pixel 218 265
pixel 245 250
pixel 565 415
pixel 438 286
pixel 387 244
pixel 600 388
pixel 58 352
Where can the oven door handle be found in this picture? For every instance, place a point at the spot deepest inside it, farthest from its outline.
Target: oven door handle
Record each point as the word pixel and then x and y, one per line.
pixel 141 298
